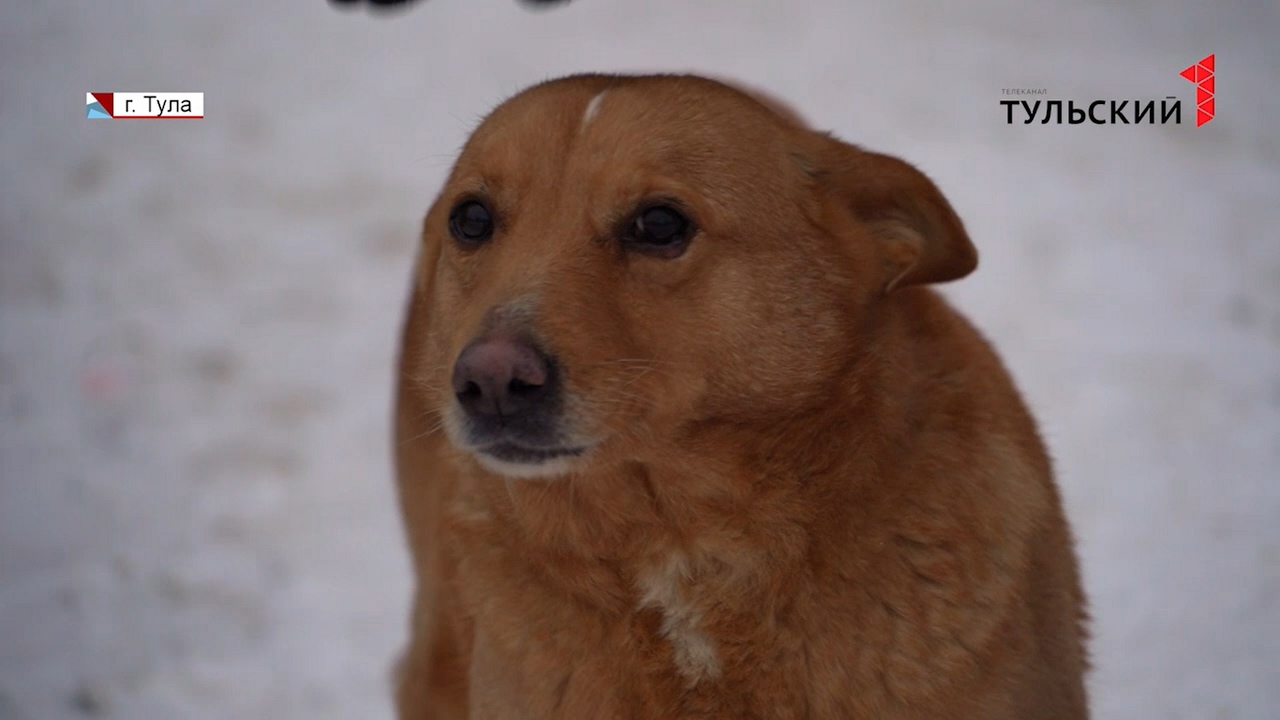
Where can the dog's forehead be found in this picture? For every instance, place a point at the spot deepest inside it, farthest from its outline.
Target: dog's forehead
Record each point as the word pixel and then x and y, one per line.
pixel 671 121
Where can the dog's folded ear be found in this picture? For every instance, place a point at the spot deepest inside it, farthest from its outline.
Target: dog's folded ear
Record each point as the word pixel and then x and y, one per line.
pixel 921 239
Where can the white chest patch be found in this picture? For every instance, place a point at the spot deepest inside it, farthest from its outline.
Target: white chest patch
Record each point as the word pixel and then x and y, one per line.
pixel 593 108
pixel 662 588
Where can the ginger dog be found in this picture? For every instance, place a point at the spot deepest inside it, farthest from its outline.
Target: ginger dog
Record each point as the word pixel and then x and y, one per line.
pixel 683 433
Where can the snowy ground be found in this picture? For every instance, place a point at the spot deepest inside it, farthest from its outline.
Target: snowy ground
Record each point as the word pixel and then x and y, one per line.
pixel 197 319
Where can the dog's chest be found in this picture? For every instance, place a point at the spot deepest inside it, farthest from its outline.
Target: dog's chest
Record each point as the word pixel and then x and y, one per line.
pixel 665 585
pixel 544 654
pixel 540 638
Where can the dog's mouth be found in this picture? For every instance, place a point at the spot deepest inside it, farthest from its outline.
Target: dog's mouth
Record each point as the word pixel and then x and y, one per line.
pixel 512 460
pixel 519 451
pixel 510 452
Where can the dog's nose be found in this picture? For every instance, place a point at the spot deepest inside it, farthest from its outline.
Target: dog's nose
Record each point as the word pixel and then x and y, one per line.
pixel 502 377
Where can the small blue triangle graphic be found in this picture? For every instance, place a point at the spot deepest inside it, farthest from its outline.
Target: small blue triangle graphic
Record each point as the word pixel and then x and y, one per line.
pixel 95 111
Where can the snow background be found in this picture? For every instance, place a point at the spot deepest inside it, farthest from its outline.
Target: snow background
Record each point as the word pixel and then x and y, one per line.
pixel 198 319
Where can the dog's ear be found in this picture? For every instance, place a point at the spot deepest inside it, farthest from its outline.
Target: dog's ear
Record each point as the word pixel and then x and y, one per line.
pixel 920 237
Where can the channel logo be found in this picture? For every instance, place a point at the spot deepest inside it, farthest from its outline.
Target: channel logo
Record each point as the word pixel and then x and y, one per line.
pixel 136 105
pixel 1202 75
pixel 1115 112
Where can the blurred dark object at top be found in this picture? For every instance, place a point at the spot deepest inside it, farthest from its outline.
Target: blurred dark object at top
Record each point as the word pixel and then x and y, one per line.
pixel 407 3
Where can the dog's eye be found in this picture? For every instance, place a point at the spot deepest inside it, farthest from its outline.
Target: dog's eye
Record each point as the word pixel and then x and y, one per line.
pixel 470 223
pixel 661 230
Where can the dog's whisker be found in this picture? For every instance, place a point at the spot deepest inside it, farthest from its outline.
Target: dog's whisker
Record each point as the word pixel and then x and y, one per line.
pixel 617 399
pixel 430 429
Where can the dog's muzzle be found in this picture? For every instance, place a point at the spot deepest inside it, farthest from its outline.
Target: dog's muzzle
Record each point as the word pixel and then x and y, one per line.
pixel 510 393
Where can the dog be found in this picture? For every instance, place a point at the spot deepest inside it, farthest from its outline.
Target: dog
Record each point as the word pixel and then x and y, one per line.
pixel 682 431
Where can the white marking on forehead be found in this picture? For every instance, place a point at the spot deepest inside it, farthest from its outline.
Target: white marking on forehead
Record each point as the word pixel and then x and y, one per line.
pixel 593 107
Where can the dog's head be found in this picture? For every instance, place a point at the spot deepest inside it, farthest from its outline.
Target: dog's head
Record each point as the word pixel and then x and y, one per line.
pixel 613 259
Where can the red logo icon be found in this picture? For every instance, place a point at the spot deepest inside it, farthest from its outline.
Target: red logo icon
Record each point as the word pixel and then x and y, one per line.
pixel 1202 75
